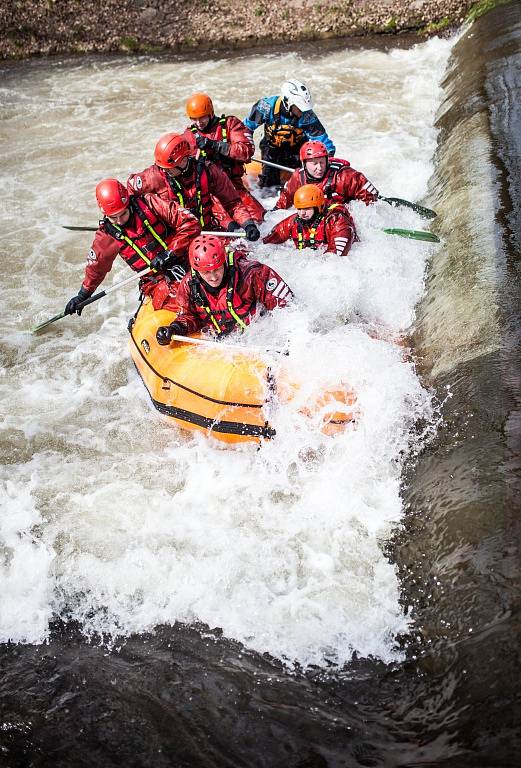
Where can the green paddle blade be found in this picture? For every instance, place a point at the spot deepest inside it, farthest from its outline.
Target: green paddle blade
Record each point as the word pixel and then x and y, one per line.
pixel 47 322
pixel 427 213
pixel 414 234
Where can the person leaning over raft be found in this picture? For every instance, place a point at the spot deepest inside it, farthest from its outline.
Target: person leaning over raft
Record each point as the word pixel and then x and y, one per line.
pixel 193 183
pixel 338 181
pixel 288 122
pixel 145 232
pixel 223 291
pixel 227 142
pixel 314 224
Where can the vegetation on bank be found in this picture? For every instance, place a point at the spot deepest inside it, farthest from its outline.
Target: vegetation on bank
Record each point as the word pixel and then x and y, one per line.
pixel 42 27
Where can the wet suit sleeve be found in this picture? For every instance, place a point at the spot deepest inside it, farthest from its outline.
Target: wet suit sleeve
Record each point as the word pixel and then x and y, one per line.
pixel 269 287
pixel 99 260
pixel 149 180
pixel 280 232
pixel 314 130
pixel 260 113
pixel 353 185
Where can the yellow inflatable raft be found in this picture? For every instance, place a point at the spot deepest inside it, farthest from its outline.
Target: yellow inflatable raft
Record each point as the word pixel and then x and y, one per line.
pixel 220 391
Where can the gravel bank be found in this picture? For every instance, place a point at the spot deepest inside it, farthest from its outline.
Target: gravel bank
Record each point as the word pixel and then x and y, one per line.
pixel 44 27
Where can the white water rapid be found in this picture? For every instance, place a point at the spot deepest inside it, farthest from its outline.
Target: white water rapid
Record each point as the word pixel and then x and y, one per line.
pixel 111 515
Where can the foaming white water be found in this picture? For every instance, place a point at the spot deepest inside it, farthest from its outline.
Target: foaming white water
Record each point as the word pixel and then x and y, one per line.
pixel 123 521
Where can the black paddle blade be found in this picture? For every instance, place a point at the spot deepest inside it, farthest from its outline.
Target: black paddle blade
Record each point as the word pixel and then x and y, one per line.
pixel 427 213
pixel 80 229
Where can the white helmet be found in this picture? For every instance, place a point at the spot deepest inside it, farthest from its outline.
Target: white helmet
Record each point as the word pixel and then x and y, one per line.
pixel 295 93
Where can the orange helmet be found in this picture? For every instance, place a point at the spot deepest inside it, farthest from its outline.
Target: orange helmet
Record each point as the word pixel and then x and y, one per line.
pixel 112 197
pixel 170 150
pixel 199 105
pixel 312 150
pixel 206 253
pixel 309 196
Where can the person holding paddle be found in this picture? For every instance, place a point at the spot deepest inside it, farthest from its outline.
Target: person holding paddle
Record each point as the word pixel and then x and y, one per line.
pixel 339 182
pixel 195 183
pixel 223 291
pixel 145 232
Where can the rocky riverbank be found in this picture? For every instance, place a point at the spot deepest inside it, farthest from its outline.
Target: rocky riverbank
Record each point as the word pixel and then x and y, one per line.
pixel 44 27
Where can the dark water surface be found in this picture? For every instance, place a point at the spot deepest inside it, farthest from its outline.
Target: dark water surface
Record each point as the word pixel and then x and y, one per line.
pixel 189 697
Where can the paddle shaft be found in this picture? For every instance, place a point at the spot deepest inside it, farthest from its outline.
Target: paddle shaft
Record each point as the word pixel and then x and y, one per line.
pixel 238 233
pixel 92 299
pixel 394 201
pixel 222 345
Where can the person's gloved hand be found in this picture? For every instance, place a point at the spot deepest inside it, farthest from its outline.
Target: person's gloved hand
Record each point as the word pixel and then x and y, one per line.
pixel 252 231
pixel 73 304
pixel 165 332
pixel 210 145
pixel 233 227
pixel 163 261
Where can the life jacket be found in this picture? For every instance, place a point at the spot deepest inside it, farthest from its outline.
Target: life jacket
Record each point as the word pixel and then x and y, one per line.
pixel 314 236
pixel 199 203
pixel 278 133
pixel 327 183
pixel 232 167
pixel 237 312
pixel 145 238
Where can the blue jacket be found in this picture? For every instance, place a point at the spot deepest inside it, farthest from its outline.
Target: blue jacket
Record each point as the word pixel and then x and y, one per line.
pixel 270 112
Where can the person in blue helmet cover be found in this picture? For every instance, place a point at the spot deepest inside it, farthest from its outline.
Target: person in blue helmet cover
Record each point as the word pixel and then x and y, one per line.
pixel 289 121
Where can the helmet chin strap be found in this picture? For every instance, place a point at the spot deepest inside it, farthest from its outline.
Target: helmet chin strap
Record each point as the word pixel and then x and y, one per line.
pixel 312 219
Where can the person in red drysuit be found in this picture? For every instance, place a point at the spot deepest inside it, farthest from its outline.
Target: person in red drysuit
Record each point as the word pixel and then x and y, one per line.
pixel 338 181
pixel 145 231
pixel 314 224
pixel 195 183
pixel 223 291
pixel 227 142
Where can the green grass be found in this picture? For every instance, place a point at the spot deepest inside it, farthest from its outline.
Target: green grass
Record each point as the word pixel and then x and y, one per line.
pixel 482 7
pixel 437 26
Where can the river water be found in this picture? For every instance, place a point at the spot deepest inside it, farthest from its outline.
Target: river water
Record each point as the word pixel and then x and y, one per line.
pixel 319 602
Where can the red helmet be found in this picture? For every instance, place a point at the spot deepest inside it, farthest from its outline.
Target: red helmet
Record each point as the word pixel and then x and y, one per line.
pixel 206 253
pixel 199 105
pixel 312 150
pixel 309 196
pixel 171 149
pixel 112 197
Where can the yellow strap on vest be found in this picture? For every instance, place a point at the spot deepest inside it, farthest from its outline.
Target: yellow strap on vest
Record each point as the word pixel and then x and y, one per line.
pixel 229 297
pixel 135 247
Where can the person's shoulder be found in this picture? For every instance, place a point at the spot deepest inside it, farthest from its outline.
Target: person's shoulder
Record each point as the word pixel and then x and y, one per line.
pixel 308 118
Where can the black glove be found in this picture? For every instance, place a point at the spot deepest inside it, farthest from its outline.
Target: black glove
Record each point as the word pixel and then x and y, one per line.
pixel 252 231
pixel 233 227
pixel 163 261
pixel 165 332
pixel 210 145
pixel 73 304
